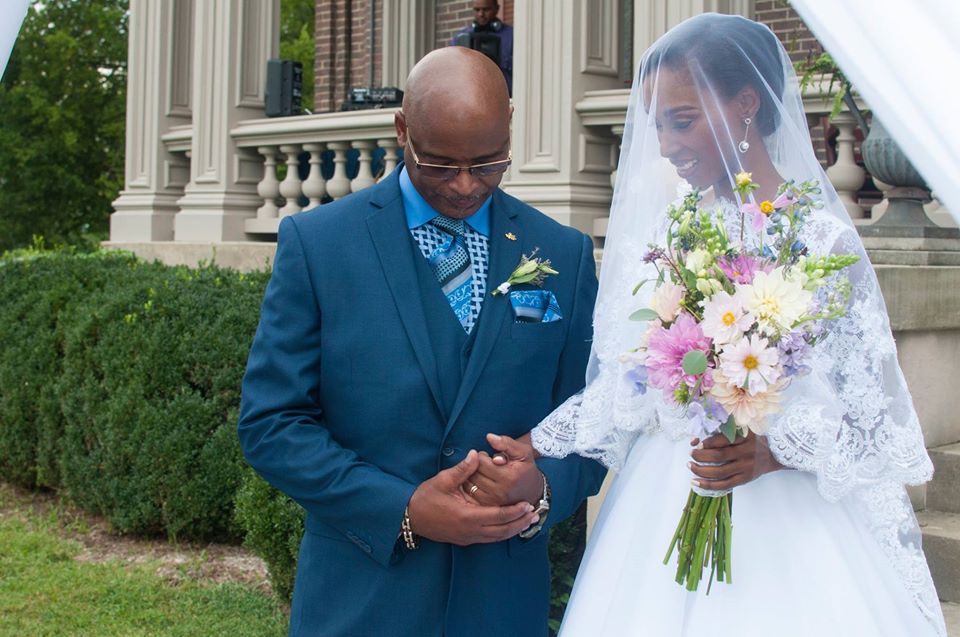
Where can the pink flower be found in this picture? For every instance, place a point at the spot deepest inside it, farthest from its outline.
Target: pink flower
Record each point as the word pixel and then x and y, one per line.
pixel 665 352
pixel 742 268
pixel 764 209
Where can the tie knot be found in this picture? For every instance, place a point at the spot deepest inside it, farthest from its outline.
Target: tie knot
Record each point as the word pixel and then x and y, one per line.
pixel 448 225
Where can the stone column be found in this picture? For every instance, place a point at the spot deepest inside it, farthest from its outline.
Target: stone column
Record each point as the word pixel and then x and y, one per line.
pixel 653 18
pixel 235 40
pixel 407 35
pixel 563 48
pixel 158 99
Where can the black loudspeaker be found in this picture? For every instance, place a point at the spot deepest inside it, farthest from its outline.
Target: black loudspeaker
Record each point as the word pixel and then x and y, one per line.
pixel 284 94
pixel 483 41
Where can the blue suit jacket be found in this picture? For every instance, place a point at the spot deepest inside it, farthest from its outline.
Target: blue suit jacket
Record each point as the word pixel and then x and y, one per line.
pixel 348 405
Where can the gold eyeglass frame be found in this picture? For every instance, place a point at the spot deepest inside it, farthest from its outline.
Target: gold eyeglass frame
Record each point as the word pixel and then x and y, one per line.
pixel 419 164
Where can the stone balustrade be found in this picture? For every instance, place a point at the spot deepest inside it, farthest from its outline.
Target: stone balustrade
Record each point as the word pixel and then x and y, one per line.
pixel 282 141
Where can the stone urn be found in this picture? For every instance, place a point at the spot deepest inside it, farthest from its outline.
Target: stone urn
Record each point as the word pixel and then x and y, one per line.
pixel 905 216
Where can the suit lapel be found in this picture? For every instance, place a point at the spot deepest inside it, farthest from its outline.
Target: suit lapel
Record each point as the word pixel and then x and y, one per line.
pixel 391 238
pixel 504 257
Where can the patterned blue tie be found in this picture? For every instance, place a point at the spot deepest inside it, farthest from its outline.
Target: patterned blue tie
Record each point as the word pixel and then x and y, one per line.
pixel 451 263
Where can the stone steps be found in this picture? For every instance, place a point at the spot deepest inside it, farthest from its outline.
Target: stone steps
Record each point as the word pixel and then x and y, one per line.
pixel 940 524
pixel 943 492
pixel 941 543
pixel 951 613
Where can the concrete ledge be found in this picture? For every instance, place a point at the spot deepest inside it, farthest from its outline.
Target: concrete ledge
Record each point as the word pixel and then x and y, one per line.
pixel 921 297
pixel 245 256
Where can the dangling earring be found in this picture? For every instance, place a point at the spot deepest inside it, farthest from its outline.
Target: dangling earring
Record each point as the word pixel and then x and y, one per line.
pixel 744 146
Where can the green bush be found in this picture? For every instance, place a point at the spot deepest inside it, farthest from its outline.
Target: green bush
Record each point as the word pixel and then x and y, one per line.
pixel 120 387
pixel 273 524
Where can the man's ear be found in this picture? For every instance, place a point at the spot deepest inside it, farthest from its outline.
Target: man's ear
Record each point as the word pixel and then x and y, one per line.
pixel 400 124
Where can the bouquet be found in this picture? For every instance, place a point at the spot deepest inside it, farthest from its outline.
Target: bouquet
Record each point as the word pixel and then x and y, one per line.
pixel 730 327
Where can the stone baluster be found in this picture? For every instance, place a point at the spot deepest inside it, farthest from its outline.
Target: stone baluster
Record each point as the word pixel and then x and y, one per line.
pixel 339 185
pixel 364 178
pixel 315 186
pixel 290 186
pixel 845 175
pixel 269 186
pixel 391 158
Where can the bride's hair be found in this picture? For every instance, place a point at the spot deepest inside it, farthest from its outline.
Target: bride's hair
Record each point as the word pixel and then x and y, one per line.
pixel 730 52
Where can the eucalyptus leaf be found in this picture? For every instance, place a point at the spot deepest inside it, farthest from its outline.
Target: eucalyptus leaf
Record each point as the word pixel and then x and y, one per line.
pixel 640 285
pixel 646 314
pixel 694 362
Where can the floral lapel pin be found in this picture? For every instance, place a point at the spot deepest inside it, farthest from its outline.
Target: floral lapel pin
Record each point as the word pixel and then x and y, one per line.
pixel 530 270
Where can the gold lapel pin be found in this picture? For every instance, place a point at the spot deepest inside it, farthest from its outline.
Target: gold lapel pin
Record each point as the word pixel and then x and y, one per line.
pixel 511 236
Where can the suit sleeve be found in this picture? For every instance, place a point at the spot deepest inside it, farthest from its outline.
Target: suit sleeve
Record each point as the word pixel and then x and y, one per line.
pixel 573 479
pixel 281 425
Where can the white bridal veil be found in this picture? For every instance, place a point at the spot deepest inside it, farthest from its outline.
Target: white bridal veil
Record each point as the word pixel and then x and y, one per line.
pixel 851 421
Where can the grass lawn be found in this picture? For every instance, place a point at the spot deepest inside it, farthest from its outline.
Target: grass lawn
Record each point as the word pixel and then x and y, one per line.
pixel 46 591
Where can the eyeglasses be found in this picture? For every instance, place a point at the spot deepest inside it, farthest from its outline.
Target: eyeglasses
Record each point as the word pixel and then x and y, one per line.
pixel 447 172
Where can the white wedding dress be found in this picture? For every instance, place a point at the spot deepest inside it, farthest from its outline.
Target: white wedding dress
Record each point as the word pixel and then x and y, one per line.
pixel 802 566
pixel 828 547
pixel 820 551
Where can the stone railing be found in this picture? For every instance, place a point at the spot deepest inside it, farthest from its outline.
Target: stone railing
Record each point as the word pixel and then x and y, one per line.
pixel 283 140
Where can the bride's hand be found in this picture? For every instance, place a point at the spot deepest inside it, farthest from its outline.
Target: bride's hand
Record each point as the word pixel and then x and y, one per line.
pixel 505 446
pixel 743 460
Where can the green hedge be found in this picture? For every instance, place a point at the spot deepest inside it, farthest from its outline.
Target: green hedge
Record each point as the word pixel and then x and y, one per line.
pixel 119 387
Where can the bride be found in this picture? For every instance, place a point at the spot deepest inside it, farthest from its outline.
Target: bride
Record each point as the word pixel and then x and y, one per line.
pixel 825 541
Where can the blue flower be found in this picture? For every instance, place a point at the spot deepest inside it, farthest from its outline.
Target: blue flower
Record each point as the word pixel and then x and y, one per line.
pixel 638 376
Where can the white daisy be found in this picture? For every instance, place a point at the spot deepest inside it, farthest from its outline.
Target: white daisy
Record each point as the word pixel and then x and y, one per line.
pixel 751 363
pixel 724 318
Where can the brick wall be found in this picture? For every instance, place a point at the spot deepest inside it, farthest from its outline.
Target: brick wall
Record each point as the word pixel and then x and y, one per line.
pixel 343 37
pixel 453 15
pixel 801 45
pixel 784 21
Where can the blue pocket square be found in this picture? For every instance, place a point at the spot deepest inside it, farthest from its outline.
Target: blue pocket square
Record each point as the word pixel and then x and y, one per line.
pixel 534 306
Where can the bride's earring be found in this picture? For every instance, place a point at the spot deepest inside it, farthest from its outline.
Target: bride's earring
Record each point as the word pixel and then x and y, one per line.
pixel 744 146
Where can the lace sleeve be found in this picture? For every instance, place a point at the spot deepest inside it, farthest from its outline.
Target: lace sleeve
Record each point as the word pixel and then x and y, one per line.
pixel 601 422
pixel 852 421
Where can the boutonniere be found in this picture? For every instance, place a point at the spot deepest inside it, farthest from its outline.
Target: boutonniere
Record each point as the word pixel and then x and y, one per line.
pixel 530 270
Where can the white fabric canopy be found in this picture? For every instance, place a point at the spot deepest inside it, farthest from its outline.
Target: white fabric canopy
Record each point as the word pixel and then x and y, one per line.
pixel 14 12
pixel 904 59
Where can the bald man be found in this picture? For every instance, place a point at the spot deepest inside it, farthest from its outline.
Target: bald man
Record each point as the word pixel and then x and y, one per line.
pixel 383 359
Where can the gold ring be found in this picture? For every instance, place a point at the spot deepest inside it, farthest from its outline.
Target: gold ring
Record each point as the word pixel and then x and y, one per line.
pixel 473 489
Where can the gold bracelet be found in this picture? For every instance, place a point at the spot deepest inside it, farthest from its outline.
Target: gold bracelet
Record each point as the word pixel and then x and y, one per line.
pixel 409 539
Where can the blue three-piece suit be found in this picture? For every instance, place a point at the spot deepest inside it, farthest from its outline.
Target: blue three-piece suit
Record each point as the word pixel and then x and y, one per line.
pixel 362 383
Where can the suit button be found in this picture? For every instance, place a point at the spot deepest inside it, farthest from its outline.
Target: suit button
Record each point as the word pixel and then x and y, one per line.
pixel 448 451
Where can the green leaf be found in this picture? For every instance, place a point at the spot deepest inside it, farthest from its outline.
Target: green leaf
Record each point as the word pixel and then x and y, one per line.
pixel 640 285
pixel 646 314
pixel 525 278
pixel 694 362
pixel 729 429
pixel 689 279
pixel 526 268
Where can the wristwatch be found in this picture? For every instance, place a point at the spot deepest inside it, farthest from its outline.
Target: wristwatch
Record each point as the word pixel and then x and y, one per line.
pixel 543 509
